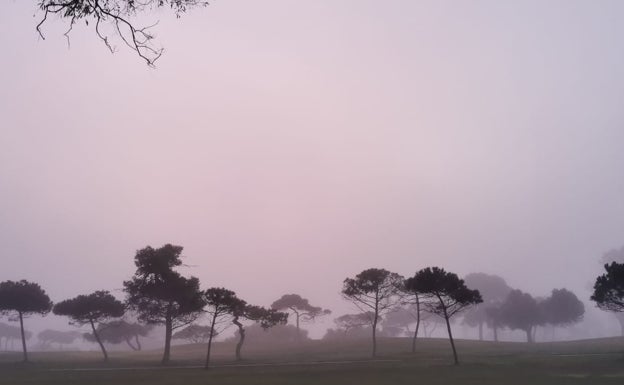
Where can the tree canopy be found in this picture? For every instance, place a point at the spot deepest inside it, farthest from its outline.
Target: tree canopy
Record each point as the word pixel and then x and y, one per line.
pixel 609 288
pixel 119 15
pixel 375 290
pixel 161 295
pixel 446 295
pixel 24 298
pixel 93 308
pixel 300 307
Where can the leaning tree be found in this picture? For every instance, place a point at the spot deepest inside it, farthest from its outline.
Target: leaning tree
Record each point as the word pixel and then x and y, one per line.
pixel 266 318
pixel 115 17
pixel 447 295
pixel 91 309
pixel 220 304
pixel 376 290
pixel 160 295
pixel 23 298
pixel 300 307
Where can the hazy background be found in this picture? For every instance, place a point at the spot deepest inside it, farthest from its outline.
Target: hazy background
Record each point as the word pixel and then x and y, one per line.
pixel 287 145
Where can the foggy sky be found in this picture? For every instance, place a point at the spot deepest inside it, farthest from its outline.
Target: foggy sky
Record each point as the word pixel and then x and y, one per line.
pixel 288 145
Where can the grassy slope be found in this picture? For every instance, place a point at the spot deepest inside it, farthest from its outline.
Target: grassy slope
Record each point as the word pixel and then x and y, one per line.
pixel 482 363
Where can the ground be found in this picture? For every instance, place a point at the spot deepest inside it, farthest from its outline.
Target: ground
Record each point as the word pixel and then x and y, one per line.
pixel 318 362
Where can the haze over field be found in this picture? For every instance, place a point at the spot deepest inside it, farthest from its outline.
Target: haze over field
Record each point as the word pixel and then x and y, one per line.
pixel 289 145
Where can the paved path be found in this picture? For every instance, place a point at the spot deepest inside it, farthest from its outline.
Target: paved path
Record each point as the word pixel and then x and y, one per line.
pixel 267 364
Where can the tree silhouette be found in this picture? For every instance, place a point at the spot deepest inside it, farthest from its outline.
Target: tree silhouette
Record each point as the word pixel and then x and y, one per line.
pixel 11 333
pixel 521 311
pixel 48 336
pixel 193 333
pixel 447 295
pixel 220 304
pixel 118 331
pixel 119 14
pixel 493 290
pixel 374 290
pixel 267 318
pixel 160 295
pixel 300 307
pixel 23 298
pixel 609 288
pixel 93 308
pixel 563 308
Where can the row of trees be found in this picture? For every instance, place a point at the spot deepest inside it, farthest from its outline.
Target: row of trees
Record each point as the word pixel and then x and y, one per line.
pixel 158 294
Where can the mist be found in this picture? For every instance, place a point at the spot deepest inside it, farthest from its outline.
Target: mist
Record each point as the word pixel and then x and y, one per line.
pixel 289 146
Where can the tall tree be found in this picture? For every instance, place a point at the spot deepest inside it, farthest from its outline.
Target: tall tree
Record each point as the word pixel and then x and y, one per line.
pixel 23 298
pixel 300 307
pixel 521 311
pixel 220 305
pixel 119 14
pixel 160 295
pixel 376 290
pixel 91 309
pixel 266 318
pixel 447 294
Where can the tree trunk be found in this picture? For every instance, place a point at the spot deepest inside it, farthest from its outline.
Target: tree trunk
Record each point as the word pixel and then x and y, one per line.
pixel 529 335
pixel 241 338
pixel 297 325
pixel 480 331
pixel 622 327
pixel 138 342
pixel 21 319
pixel 129 343
pixel 214 320
pixel 495 329
pixel 168 333
pixel 375 334
pixel 450 334
pixel 97 338
pixel 417 325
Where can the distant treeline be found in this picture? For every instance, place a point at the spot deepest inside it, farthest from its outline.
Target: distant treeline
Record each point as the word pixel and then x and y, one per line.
pixel 389 304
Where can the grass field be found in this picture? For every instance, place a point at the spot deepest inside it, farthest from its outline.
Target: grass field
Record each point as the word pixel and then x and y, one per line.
pixel 318 362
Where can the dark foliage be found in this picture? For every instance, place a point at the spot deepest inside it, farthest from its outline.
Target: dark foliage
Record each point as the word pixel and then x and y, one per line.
pixel 93 308
pixel 23 298
pixel 160 295
pixel 445 295
pixel 375 290
pixel 609 288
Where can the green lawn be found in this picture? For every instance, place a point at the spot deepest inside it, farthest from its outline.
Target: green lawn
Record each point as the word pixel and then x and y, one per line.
pixel 576 362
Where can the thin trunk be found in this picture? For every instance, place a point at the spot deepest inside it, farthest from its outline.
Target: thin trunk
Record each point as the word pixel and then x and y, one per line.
pixel 480 331
pixel 214 320
pixel 297 325
pixel 417 325
pixel 129 343
pixel 495 329
pixel 450 334
pixel 168 333
pixel 21 319
pixel 97 338
pixel 376 315
pixel 529 335
pixel 241 338
pixel 138 342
